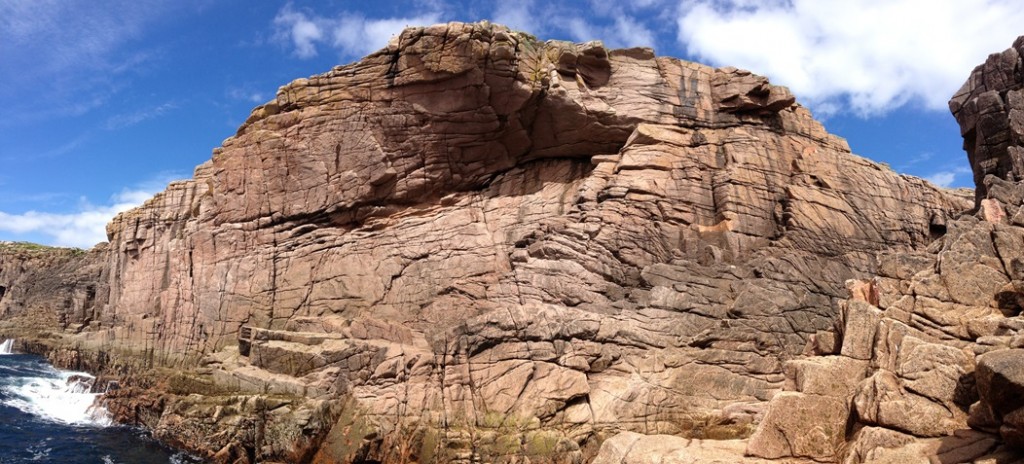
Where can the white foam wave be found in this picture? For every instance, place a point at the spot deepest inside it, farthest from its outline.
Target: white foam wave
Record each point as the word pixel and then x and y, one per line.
pixel 63 397
pixel 7 346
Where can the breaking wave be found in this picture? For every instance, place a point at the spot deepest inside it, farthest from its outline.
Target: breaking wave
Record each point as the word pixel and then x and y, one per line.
pixel 58 396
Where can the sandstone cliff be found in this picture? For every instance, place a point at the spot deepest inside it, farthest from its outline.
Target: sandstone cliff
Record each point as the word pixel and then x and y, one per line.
pixel 474 246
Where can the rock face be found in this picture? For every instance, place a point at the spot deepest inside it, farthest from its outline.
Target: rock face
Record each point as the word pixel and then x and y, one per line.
pixel 990 110
pixel 45 289
pixel 929 349
pixel 474 246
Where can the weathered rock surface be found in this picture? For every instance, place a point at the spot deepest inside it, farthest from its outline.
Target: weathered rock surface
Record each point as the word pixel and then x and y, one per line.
pixel 930 346
pixel 909 363
pixel 990 110
pixel 635 448
pixel 473 246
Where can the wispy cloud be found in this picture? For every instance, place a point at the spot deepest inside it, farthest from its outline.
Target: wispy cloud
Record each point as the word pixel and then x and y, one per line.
pixel 247 94
pixel 942 179
pixel 86 226
pixel 65 34
pixel 54 151
pixel 350 34
pixel 870 56
pixel 54 106
pixel 520 16
pixel 914 161
pixel 41 197
pixel 622 32
pixel 76 143
pixel 948 177
pixel 644 3
pixel 69 54
pixel 121 121
pixel 608 22
pixel 63 148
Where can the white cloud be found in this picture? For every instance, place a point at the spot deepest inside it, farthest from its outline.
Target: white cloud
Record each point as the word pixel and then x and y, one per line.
pixel 942 179
pixel 518 16
pixel 624 31
pixel 948 177
pixel 86 226
pixel 581 30
pixel 631 33
pixel 357 35
pixel 303 32
pixel 604 8
pixel 351 34
pixel 869 56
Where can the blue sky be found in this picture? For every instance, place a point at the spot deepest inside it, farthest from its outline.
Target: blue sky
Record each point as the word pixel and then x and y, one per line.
pixel 105 102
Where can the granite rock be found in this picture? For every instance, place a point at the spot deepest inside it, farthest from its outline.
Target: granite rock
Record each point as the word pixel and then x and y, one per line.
pixel 475 246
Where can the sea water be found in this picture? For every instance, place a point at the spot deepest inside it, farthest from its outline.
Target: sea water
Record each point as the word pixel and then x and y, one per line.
pixel 49 415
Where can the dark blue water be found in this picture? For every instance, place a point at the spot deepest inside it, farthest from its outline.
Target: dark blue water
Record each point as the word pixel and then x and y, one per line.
pixel 45 417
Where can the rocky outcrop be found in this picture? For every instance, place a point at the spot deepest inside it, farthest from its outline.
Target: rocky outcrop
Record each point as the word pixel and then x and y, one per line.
pixel 905 371
pixel 925 366
pixel 475 246
pixel 43 289
pixel 990 110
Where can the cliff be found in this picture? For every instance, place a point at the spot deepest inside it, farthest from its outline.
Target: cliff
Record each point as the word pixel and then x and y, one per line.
pixel 474 246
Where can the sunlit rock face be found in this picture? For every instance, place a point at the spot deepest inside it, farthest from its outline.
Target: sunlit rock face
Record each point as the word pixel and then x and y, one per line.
pixel 925 365
pixel 476 245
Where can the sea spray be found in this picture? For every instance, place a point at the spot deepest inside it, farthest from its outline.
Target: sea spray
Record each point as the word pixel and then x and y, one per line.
pixel 7 346
pixel 30 438
pixel 59 396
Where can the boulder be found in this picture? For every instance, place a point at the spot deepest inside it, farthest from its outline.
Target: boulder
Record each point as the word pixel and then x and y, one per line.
pixel 1000 380
pixel 801 425
pixel 635 448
